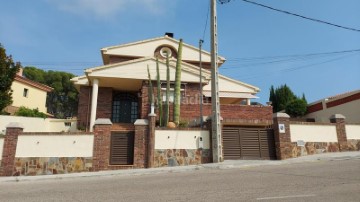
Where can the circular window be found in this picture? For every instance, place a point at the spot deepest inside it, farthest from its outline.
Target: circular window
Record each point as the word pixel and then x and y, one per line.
pixel 165 52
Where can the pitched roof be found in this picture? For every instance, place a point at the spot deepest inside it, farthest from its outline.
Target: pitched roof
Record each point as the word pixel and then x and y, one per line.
pixel 336 97
pixel 35 84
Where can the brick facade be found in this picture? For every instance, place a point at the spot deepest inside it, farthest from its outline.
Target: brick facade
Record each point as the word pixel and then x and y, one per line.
pixel 190 108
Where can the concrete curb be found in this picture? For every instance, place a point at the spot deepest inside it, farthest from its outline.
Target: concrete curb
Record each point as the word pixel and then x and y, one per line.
pixel 230 164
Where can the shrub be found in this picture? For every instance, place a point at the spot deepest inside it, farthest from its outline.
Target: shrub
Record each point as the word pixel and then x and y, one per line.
pixel 24 111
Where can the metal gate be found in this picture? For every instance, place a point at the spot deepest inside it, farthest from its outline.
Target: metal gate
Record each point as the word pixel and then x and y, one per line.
pixel 248 143
pixel 122 149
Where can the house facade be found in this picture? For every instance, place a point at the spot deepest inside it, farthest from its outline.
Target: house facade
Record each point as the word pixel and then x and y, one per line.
pixel 347 104
pixel 118 91
pixel 29 94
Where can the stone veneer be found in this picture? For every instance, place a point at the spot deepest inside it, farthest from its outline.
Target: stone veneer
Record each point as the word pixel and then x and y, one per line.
pixel 311 148
pixel 353 145
pixel 51 165
pixel 181 157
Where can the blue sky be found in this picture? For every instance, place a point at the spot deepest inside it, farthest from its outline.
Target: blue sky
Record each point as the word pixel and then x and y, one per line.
pixel 66 35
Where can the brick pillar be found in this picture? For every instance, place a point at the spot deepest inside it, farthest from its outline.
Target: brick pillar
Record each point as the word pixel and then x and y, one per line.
pixel 102 138
pixel 339 120
pixel 141 140
pixel 151 142
pixel 281 128
pixel 10 142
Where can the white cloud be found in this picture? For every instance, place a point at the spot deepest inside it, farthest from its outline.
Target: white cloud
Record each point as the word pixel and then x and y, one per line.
pixel 109 8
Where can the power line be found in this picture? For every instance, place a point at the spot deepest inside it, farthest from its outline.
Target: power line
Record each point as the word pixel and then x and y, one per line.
pixel 296 68
pixel 294 55
pixel 302 58
pixel 206 23
pixel 304 17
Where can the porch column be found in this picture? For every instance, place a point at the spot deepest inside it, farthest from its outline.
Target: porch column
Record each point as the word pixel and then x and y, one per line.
pixel 94 99
pixel 248 101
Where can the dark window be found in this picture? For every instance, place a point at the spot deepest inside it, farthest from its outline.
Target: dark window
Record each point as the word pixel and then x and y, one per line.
pixel 26 92
pixel 125 108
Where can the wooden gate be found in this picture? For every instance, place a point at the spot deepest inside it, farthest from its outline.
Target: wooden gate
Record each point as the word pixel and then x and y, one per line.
pixel 122 149
pixel 248 143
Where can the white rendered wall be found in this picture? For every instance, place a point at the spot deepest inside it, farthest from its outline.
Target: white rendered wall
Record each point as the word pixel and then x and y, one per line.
pixel 55 146
pixel 352 132
pixel 33 124
pixel 313 133
pixel 1 147
pixel 181 139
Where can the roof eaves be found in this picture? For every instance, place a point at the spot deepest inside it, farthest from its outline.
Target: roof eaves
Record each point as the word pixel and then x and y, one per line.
pixel 33 83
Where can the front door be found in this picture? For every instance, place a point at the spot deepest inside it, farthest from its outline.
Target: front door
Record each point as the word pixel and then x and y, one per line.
pixel 125 108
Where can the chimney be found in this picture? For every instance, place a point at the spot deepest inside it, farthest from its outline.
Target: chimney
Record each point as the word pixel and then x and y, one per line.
pixel 169 34
pixel 20 72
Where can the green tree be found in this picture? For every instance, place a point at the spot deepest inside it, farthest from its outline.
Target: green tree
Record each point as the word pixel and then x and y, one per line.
pixel 8 70
pixel 283 98
pixel 296 108
pixel 62 102
pixel 272 98
pixel 280 97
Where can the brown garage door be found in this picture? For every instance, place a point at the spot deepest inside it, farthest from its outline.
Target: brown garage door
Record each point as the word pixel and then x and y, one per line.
pixel 122 149
pixel 248 143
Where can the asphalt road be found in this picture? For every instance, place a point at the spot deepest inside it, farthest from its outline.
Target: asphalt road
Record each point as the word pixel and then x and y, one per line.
pixel 337 180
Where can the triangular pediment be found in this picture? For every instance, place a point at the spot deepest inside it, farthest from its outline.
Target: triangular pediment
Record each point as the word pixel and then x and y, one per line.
pixel 147 48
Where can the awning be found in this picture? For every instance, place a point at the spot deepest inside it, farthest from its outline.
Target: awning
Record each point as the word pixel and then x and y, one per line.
pixel 231 95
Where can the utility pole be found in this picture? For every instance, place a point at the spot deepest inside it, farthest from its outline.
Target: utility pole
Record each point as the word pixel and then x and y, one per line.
pixel 215 100
pixel 201 87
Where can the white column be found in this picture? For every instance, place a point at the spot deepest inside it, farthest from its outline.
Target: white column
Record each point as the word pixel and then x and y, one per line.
pixel 248 101
pixel 94 99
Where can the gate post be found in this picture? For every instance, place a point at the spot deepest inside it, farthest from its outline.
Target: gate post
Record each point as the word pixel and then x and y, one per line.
pixel 9 149
pixel 151 142
pixel 101 151
pixel 140 142
pixel 339 120
pixel 281 128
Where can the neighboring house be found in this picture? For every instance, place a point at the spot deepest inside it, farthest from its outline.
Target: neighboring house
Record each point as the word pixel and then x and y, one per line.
pixel 29 94
pixel 347 104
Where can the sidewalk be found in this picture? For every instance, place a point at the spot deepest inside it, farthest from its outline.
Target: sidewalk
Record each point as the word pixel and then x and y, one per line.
pixel 228 164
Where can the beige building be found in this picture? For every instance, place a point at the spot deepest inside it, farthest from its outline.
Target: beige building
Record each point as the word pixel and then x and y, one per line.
pixel 347 104
pixel 29 94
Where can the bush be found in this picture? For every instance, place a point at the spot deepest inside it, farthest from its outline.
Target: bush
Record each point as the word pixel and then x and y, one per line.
pixel 24 111
pixel 296 108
